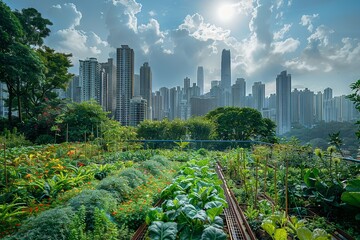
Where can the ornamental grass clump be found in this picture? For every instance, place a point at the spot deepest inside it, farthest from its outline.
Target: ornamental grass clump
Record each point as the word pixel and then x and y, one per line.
pixel 153 167
pixel 161 159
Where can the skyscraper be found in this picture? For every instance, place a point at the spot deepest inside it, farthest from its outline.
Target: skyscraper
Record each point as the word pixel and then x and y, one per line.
pixel 138 110
pixel 258 92
pixel 146 86
pixel 110 89
pixel 124 83
pixel 327 103
pixel 226 70
pixel 238 93
pixel 283 102
pixel 200 79
pixel 90 81
pixel 307 108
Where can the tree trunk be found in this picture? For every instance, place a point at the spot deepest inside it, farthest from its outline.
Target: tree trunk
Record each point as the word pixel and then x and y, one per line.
pixel 11 97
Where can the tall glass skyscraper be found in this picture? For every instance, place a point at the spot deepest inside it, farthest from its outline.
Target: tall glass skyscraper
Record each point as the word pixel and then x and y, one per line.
pixel 146 87
pixel 226 70
pixel 124 83
pixel 200 79
pixel 283 102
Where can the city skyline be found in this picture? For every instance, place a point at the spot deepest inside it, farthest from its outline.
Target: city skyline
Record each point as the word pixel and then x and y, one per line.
pixel 317 41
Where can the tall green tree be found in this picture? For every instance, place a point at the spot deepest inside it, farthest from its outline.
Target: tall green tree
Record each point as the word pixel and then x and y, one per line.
pixel 233 123
pixel 355 98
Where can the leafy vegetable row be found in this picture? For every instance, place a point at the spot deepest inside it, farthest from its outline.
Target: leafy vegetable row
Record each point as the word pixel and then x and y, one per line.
pixel 193 203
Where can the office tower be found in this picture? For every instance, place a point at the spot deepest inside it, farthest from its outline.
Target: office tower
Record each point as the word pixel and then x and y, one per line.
pixel 173 103
pixel 137 84
pixel 3 95
pixel 318 107
pixel 295 106
pixel 327 111
pixel 226 70
pixel 109 86
pixel 258 92
pixel 124 83
pixel 307 108
pixel 165 104
pixel 200 79
pixel 157 106
pixel 90 80
pixel 73 91
pixel 216 92
pixel 138 110
pixel 283 102
pixel 199 106
pixel 249 101
pixel 215 83
pixel 146 86
pixel 238 93
pixel 194 91
pixel 272 101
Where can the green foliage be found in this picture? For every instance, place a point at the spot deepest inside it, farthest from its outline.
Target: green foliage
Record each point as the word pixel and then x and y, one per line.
pixel 355 98
pixel 153 167
pixel 92 199
pixel 241 124
pixel 104 228
pixel 200 128
pixel 163 230
pixel 115 136
pixel 117 186
pixel 134 176
pixel 51 224
pixel 14 139
pixel 81 120
pixel 161 159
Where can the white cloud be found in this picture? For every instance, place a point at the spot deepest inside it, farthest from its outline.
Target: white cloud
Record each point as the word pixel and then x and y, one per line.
pixel 320 36
pixel 65 15
pixel 299 65
pixel 202 31
pixel 306 20
pixel 280 34
pixel 152 13
pixel 131 8
pixel 287 46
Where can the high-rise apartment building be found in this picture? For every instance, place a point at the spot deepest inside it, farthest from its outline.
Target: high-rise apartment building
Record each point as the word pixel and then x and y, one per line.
pixel 124 83
pixel 3 96
pixel 318 107
pixel 109 86
pixel 90 80
pixel 327 103
pixel 307 108
pixel 226 70
pixel 138 110
pixel 146 86
pixel 295 106
pixel 258 92
pixel 238 93
pixel 200 79
pixel 283 102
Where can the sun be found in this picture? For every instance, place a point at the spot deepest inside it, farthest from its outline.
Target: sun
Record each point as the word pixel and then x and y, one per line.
pixel 225 12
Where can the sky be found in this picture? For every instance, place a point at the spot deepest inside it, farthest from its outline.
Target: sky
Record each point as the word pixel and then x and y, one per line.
pixel 316 41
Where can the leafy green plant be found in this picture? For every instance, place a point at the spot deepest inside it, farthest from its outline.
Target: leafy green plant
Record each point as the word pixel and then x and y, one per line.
pixel 163 230
pixel 51 224
pixel 92 199
pixel 134 176
pixel 153 167
pixel 117 186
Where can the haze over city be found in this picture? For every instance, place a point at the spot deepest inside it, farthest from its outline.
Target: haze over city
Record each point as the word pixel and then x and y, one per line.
pixel 316 41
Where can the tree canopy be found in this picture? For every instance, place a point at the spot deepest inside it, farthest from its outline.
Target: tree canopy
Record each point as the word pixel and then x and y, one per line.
pixel 233 123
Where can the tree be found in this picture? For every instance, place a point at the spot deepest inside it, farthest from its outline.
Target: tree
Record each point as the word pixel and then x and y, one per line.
pixel 355 98
pixel 56 76
pixel 200 128
pixel 233 123
pixel 81 121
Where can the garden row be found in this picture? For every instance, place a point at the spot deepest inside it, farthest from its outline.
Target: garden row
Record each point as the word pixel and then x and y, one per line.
pixel 76 192
pixel 281 187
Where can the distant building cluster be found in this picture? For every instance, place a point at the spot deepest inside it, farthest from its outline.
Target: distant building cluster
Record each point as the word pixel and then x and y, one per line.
pixel 128 97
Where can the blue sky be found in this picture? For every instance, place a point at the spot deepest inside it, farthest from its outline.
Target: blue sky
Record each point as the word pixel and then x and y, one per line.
pixel 316 41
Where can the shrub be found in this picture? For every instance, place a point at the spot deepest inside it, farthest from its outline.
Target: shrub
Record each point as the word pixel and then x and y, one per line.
pixel 92 199
pixel 51 224
pixel 134 176
pixel 153 167
pixel 161 159
pixel 117 186
pixel 44 139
